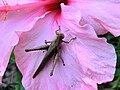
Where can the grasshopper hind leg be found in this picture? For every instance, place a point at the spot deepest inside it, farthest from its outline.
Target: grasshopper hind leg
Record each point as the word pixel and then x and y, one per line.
pixel 43 47
pixel 54 63
pixel 57 56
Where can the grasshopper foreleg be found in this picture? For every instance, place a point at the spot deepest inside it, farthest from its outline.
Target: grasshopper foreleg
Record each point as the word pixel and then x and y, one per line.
pixel 69 40
pixel 43 47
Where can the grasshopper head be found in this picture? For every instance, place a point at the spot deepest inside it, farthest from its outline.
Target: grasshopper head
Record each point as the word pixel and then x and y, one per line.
pixel 61 35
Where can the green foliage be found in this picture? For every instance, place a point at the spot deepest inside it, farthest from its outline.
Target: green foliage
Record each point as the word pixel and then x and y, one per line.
pixel 18 86
pixel 12 57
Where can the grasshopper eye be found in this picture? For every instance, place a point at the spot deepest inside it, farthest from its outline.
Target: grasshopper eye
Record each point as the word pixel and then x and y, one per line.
pixel 57 32
pixel 62 35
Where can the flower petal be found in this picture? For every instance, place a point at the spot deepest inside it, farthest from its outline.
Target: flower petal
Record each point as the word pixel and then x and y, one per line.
pixel 84 57
pixel 64 78
pixel 103 15
pixel 15 2
pixel 15 23
pixel 29 62
pixel 96 56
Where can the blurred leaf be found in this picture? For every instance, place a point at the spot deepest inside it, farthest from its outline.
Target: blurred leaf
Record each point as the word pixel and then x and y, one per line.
pixel 19 85
pixel 18 77
pixel 116 84
pixel 117 73
pixel 12 57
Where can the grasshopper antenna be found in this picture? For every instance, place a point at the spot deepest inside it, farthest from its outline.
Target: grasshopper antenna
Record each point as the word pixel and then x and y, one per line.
pixel 59 29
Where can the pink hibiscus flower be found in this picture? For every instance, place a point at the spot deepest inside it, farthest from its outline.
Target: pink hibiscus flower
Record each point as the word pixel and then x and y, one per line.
pixel 88 59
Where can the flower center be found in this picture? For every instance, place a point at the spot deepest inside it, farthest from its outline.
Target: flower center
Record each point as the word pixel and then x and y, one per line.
pixel 65 2
pixel 55 5
pixel 50 5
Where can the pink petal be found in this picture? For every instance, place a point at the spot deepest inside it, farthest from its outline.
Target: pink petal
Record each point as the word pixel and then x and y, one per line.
pixel 10 29
pixel 6 46
pixel 96 56
pixel 70 13
pixel 103 15
pixel 15 2
pixel 84 58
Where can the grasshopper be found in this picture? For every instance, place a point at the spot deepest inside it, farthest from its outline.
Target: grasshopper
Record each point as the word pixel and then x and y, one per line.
pixel 52 50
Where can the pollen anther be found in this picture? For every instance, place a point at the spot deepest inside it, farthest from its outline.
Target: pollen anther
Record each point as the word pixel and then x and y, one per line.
pixel 18 10
pixel 4 17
